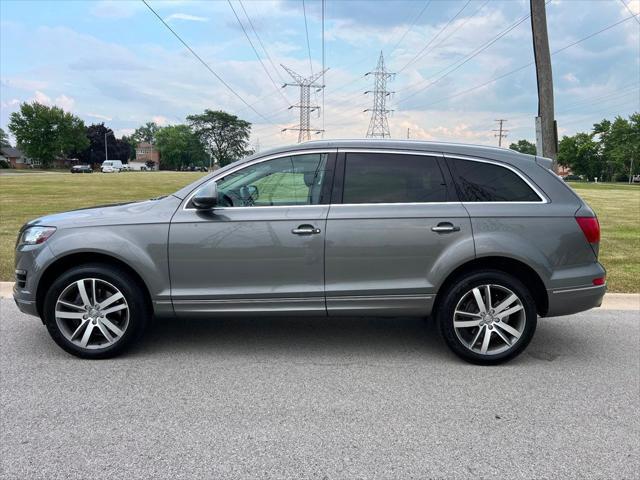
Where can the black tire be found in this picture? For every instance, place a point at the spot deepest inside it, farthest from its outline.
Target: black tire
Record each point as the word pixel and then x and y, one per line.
pixel 139 312
pixel 454 294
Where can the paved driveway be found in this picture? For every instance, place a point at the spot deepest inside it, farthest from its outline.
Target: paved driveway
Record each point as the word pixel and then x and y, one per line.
pixel 335 399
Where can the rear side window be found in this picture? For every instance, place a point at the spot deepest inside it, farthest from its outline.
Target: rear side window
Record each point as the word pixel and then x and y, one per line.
pixel 487 182
pixel 392 178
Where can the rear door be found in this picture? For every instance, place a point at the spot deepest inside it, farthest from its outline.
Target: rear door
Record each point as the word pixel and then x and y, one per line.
pixel 394 229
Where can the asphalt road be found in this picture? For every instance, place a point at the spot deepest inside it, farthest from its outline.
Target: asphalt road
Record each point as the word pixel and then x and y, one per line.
pixel 334 399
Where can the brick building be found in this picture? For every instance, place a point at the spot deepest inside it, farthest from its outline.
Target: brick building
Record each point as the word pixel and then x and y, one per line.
pixel 147 152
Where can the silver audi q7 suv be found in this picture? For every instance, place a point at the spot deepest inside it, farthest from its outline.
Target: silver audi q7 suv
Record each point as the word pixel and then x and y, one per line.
pixel 482 239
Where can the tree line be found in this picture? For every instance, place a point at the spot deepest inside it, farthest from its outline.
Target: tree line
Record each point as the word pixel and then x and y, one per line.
pixel 47 133
pixel 610 151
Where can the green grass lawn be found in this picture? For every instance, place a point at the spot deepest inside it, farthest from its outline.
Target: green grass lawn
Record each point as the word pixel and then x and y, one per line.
pixel 24 197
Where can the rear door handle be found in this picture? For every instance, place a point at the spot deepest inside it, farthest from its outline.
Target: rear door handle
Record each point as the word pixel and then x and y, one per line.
pixel 445 227
pixel 306 230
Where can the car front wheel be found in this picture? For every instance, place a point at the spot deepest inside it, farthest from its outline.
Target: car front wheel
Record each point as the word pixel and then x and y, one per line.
pixel 487 317
pixel 95 311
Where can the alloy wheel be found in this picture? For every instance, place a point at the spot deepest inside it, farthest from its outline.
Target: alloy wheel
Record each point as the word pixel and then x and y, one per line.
pixel 489 319
pixel 92 313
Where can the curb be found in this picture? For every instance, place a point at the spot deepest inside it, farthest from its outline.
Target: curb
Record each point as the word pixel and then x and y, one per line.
pixel 612 301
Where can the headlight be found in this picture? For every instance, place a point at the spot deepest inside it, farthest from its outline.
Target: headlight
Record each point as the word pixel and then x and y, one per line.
pixel 35 235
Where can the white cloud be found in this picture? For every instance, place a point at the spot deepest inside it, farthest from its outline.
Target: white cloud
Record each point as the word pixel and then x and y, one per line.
pixel 160 120
pixel 115 9
pixel 186 16
pixel 571 78
pixel 24 83
pixel 62 101
pixel 41 98
pixel 99 116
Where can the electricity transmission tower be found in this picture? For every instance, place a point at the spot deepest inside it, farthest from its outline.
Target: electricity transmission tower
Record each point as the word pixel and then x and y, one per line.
pixel 306 84
pixel 502 133
pixel 379 124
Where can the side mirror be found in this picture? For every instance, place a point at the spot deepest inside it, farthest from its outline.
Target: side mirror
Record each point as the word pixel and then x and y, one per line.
pixel 207 197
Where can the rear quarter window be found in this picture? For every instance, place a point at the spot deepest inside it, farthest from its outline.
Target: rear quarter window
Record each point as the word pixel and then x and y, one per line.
pixel 487 182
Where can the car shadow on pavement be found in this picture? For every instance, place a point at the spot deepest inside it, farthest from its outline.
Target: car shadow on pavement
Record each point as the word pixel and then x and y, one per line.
pixel 302 336
pixel 403 339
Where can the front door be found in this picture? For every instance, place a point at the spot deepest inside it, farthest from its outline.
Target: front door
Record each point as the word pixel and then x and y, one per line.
pixel 262 248
pixel 392 233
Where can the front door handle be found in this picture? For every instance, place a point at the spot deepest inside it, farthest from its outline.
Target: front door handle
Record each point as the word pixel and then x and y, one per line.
pixel 445 227
pixel 306 230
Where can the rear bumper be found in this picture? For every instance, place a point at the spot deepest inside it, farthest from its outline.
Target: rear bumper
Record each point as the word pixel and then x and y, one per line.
pixel 567 301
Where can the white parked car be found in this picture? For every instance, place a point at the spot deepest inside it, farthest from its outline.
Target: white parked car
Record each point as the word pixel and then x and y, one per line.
pixel 111 166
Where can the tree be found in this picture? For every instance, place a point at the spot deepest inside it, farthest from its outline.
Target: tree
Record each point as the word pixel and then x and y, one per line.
pixel 225 135
pixel 145 133
pixel 4 139
pixel 45 133
pixel 581 153
pixel 524 146
pixel 95 153
pixel 180 147
pixel 620 144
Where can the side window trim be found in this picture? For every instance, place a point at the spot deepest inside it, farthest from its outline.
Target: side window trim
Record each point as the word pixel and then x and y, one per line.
pixel 326 187
pixel 452 170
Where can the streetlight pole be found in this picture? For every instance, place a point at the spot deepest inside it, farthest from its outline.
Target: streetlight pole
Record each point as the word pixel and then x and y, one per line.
pixel 106 154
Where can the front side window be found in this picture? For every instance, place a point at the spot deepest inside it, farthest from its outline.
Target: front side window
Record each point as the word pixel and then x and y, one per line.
pixel 487 182
pixel 392 178
pixel 293 180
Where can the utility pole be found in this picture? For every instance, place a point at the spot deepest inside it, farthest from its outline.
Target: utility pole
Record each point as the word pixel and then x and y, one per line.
pixel 379 124
pixel 305 84
pixel 408 133
pixel 502 133
pixel 546 128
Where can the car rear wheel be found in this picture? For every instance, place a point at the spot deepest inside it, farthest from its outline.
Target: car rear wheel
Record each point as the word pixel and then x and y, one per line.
pixel 487 317
pixel 95 311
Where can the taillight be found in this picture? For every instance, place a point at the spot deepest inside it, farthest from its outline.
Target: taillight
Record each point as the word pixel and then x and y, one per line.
pixel 590 227
pixel 599 281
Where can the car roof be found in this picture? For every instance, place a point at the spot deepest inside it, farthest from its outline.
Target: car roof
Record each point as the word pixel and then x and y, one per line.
pixel 482 151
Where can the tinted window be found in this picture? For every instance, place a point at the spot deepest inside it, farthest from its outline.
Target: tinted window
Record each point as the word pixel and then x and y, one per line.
pixel 487 182
pixel 295 180
pixel 392 178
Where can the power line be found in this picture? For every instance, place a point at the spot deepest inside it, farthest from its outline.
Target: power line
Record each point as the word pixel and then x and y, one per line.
pixel 323 66
pixel 413 24
pixel 206 65
pixel 306 29
pixel 626 5
pixel 627 89
pixel 266 52
pixel 420 53
pixel 264 67
pixel 522 67
pixel 459 63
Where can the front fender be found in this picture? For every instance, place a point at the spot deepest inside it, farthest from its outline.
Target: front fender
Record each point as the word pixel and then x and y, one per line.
pixel 143 247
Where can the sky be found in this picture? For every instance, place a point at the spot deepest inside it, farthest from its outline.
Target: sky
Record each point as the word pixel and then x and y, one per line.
pixel 115 62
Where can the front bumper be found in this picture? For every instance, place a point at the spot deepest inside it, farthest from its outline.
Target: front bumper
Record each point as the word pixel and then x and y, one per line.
pixel 25 300
pixel 573 300
pixel 31 261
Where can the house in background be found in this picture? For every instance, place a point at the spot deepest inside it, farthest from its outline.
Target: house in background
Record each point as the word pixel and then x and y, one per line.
pixel 16 158
pixel 147 152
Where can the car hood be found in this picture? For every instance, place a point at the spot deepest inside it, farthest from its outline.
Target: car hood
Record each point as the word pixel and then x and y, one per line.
pixel 157 210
